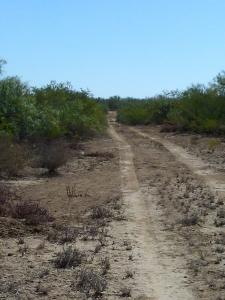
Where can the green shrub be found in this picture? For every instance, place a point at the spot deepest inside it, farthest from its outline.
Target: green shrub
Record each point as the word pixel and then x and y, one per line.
pixel 133 115
pixel 198 109
pixel 72 112
pixel 49 112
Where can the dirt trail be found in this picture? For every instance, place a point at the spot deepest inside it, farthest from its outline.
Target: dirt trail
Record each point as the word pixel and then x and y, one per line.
pixel 212 178
pixel 160 274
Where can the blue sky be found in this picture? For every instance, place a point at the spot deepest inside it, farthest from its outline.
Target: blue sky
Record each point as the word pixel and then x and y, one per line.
pixel 114 47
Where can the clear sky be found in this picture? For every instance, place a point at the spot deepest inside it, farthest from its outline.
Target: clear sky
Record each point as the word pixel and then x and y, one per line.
pixel 114 47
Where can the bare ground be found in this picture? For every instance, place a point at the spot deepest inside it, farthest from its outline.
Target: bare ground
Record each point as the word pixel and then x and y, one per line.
pixel 28 252
pixel 159 236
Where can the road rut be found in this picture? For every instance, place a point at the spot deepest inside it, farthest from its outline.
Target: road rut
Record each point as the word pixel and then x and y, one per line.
pixel 160 274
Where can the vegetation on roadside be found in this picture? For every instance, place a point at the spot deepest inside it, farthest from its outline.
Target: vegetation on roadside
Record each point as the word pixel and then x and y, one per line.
pixel 198 108
pixel 42 116
pixel 52 111
pixel 12 205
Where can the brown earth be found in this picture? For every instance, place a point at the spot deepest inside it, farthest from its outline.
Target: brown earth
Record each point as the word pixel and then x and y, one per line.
pixel 161 235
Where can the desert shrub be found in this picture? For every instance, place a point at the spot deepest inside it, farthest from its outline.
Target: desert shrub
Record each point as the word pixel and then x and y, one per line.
pixel 105 262
pixel 68 258
pixel 77 114
pixel 190 219
pixel 198 109
pixel 7 197
pixel 68 234
pixel 195 110
pixel 133 115
pixel 32 213
pixel 100 212
pixel 12 205
pixel 52 111
pixel 12 158
pixel 91 283
pixel 13 95
pixel 52 156
pixel 125 292
pixel 129 274
pixel 149 111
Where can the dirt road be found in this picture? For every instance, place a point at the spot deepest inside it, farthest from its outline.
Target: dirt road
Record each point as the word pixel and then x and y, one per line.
pixel 160 184
pixel 159 275
pixel 147 217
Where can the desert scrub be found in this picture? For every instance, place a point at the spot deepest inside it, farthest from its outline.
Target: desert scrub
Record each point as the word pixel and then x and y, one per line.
pixel 125 292
pixel 129 274
pixel 100 212
pixel 53 111
pixel 105 263
pixel 7 199
pixel 11 205
pixel 12 158
pixel 68 235
pixel 69 257
pixel 32 213
pixel 190 219
pixel 91 283
pixel 52 155
pixel 198 109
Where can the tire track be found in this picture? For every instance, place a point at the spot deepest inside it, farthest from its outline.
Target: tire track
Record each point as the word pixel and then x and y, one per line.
pixel 213 179
pixel 160 275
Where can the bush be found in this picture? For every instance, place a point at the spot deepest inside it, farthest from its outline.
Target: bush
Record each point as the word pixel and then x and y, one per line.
pixel 125 292
pixel 12 205
pixel 133 115
pixel 152 111
pixel 100 212
pixel 14 95
pixel 197 109
pixel 68 258
pixel 190 219
pixel 7 197
pixel 91 282
pixel 12 158
pixel 68 235
pixel 52 156
pixel 32 213
pixel 53 111
pixel 75 112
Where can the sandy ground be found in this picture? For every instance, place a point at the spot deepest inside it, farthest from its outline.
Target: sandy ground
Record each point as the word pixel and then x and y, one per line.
pixel 28 252
pixel 159 236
